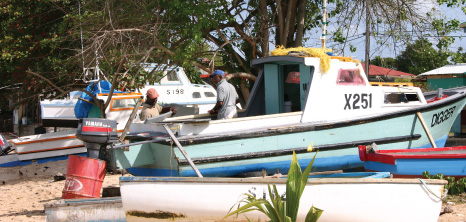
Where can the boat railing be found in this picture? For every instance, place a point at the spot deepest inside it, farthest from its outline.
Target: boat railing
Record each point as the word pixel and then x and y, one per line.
pixel 395 84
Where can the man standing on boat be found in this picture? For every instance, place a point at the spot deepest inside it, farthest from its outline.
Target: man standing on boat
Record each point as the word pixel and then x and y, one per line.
pixel 150 108
pixel 226 97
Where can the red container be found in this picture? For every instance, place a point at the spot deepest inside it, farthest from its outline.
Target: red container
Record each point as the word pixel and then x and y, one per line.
pixel 84 177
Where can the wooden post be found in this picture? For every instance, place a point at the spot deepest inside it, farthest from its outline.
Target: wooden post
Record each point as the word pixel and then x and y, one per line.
pixel 182 150
pixel 423 123
pixel 368 38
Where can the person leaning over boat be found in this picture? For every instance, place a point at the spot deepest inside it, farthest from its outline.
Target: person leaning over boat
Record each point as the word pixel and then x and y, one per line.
pixel 150 108
pixel 226 97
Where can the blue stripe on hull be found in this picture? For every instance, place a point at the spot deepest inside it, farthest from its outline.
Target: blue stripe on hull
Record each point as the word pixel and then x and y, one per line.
pixel 448 167
pixel 10 164
pixel 438 142
pixel 49 159
pixel 320 164
pixel 140 171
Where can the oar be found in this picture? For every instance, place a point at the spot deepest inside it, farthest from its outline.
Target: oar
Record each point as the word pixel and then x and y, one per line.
pixel 131 118
pixel 423 123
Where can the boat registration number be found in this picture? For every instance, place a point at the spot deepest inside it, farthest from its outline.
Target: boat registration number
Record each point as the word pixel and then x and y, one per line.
pixel 442 116
pixel 175 91
pixel 358 101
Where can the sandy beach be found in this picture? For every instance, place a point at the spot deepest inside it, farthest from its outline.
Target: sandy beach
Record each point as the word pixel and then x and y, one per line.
pixel 25 189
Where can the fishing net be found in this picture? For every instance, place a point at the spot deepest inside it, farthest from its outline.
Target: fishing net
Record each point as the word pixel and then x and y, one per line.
pixel 311 52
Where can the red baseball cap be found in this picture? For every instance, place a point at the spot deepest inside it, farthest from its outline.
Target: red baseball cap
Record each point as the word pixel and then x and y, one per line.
pixel 152 93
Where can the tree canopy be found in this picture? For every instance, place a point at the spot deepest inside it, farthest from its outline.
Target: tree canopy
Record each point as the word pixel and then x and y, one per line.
pixel 46 45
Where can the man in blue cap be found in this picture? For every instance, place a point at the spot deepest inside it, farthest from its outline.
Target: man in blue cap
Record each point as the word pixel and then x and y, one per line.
pixel 226 97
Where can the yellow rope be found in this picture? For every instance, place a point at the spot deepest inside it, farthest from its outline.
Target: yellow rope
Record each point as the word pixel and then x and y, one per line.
pixel 314 52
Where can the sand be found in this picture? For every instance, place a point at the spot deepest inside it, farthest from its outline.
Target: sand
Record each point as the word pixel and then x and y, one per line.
pixel 25 189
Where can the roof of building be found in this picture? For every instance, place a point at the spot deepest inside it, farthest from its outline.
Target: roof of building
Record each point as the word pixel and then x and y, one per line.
pixel 381 71
pixel 459 68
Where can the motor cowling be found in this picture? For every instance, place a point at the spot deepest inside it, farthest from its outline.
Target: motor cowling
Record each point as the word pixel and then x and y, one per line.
pixel 97 133
pixel 4 146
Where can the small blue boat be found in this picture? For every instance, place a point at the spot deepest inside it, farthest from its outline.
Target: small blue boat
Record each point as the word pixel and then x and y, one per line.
pixel 411 163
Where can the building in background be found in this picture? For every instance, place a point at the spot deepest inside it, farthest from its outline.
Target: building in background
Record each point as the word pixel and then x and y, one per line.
pixel 449 76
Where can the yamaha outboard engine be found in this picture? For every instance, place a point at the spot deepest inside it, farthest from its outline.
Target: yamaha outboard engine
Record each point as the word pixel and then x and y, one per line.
pixel 4 147
pixel 96 134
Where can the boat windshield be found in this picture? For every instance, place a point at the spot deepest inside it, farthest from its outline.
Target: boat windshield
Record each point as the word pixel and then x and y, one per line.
pixel 350 77
pixel 123 103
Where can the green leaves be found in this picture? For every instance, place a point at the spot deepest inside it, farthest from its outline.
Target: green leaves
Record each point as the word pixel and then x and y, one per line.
pixel 276 209
pixel 454 186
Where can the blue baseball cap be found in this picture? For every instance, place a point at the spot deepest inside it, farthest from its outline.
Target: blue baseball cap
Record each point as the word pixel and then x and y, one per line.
pixel 217 72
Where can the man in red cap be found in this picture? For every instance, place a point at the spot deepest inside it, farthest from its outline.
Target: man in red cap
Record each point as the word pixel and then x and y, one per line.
pixel 150 108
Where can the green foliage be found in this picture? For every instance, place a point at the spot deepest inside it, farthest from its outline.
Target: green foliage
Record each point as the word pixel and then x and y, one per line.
pixel 454 186
pixel 34 35
pixel 459 56
pixel 421 57
pixel 277 209
pixel 389 63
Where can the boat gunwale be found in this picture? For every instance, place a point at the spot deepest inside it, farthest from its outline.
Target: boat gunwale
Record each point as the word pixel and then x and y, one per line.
pixel 41 140
pixel 83 201
pixel 390 156
pixel 311 181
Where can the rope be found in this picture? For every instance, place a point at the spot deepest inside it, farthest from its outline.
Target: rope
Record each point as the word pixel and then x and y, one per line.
pixel 430 191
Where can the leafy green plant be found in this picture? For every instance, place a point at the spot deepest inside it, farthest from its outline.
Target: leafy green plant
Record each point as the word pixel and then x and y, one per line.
pixel 277 209
pixel 454 186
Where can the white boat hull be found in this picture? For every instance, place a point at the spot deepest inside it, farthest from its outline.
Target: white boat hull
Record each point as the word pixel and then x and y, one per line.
pixel 341 199
pixel 93 209
pixel 48 145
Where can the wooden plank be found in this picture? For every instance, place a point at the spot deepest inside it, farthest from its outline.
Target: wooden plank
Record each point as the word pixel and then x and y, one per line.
pixel 130 120
pixel 426 129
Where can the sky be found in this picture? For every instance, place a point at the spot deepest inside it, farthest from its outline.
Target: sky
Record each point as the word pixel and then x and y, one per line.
pixel 359 41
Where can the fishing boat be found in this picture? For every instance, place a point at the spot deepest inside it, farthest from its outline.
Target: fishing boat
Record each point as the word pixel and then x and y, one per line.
pixel 297 105
pixel 411 163
pixel 174 88
pixel 55 146
pixel 341 199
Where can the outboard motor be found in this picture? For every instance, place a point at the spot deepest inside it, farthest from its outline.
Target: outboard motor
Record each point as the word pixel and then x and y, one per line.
pixel 4 147
pixel 96 134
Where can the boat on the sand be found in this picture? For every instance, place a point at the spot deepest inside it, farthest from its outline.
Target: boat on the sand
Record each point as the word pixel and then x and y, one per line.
pixel 341 199
pixel 411 163
pixel 297 105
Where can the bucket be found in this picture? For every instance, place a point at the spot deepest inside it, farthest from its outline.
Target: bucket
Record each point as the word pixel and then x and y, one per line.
pixel 288 105
pixel 84 177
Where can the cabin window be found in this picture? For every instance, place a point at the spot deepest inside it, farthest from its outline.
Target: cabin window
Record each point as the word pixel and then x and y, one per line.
pixel 172 76
pixel 398 97
pixel 123 103
pixel 196 95
pixel 209 94
pixel 350 77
